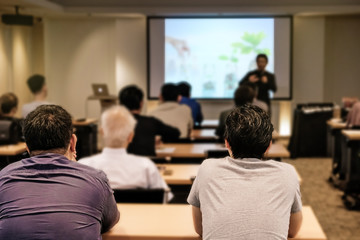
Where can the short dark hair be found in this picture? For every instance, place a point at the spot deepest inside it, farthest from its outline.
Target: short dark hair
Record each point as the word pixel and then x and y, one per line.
pixel 169 92
pixel 184 89
pixel 131 97
pixel 262 55
pixel 248 130
pixel 36 83
pixel 243 95
pixel 48 127
pixel 8 101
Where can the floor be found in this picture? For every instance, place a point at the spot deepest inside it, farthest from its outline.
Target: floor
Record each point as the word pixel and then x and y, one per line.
pixel 337 222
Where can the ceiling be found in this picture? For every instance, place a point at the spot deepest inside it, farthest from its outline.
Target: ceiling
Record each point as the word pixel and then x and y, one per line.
pixel 135 8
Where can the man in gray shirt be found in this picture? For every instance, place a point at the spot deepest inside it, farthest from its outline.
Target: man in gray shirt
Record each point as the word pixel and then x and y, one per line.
pixel 242 196
pixel 50 195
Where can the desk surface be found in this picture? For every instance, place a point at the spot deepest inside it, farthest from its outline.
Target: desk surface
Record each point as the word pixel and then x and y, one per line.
pixel 351 134
pixel 13 149
pixel 84 123
pixel 183 174
pixel 203 134
pixel 336 124
pixel 198 150
pixel 174 222
pixel 178 174
pixel 210 123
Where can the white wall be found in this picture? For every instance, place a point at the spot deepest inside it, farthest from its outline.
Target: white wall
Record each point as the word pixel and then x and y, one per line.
pixel 21 55
pixel 342 72
pixel 308 59
pixel 79 52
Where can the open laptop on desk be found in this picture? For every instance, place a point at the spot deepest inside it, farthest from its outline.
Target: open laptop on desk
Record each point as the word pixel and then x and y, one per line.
pixel 100 89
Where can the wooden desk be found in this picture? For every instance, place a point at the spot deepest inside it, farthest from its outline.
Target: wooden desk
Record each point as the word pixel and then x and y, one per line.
pixel 198 150
pixel 210 123
pixel 178 174
pixel 174 222
pixel 13 149
pixel 336 124
pixel 203 134
pixel 87 121
pixel 353 135
pixel 183 174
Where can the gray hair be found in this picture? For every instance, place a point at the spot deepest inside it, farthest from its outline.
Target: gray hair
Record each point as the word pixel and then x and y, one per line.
pixel 117 124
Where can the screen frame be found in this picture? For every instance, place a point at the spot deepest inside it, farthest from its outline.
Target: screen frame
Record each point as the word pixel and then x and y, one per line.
pixel 290 17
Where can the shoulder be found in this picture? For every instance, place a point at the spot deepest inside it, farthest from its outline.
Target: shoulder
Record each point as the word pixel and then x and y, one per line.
pixel 184 108
pixel 144 161
pixel 285 170
pixel 211 163
pixel 91 161
pixel 92 175
pixel 11 167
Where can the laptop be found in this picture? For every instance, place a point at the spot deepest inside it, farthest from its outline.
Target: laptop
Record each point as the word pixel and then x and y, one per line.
pixel 100 89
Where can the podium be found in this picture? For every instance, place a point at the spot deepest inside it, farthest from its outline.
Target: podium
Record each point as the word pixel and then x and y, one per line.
pixel 105 101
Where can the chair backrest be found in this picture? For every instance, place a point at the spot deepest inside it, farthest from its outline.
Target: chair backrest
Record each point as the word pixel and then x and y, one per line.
pixel 140 195
pixel 9 132
pixel 219 153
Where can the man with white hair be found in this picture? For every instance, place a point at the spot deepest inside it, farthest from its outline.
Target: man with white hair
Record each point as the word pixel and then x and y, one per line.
pixel 124 171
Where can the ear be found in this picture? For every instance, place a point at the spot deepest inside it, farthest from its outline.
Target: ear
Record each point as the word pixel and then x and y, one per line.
pixel 268 148
pixel 27 149
pixel 73 142
pixel 161 98
pixel 141 104
pixel 179 98
pixel 227 145
pixel 130 137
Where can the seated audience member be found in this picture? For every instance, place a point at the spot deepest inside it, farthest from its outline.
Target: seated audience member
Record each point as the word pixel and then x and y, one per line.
pixel 9 106
pixel 242 196
pixel 125 171
pixel 171 112
pixel 184 91
pixel 243 95
pixel 50 195
pixel 353 117
pixel 257 102
pixel 146 127
pixel 38 88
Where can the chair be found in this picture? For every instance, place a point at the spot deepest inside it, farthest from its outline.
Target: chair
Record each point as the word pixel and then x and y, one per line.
pixel 140 195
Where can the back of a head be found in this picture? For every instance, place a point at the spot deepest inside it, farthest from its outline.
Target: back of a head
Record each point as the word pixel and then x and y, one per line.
pixel 131 97
pixel 48 127
pixel 117 124
pixel 169 92
pixel 248 130
pixel 8 102
pixel 184 89
pixel 36 83
pixel 243 95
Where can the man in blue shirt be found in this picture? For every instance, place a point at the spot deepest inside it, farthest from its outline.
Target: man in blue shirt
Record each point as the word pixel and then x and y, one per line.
pixel 50 195
pixel 184 90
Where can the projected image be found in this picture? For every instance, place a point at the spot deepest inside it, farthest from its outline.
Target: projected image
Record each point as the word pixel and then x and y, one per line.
pixel 214 54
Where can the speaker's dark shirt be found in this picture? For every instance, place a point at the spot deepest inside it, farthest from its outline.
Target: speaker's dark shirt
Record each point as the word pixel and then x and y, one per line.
pixel 263 88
